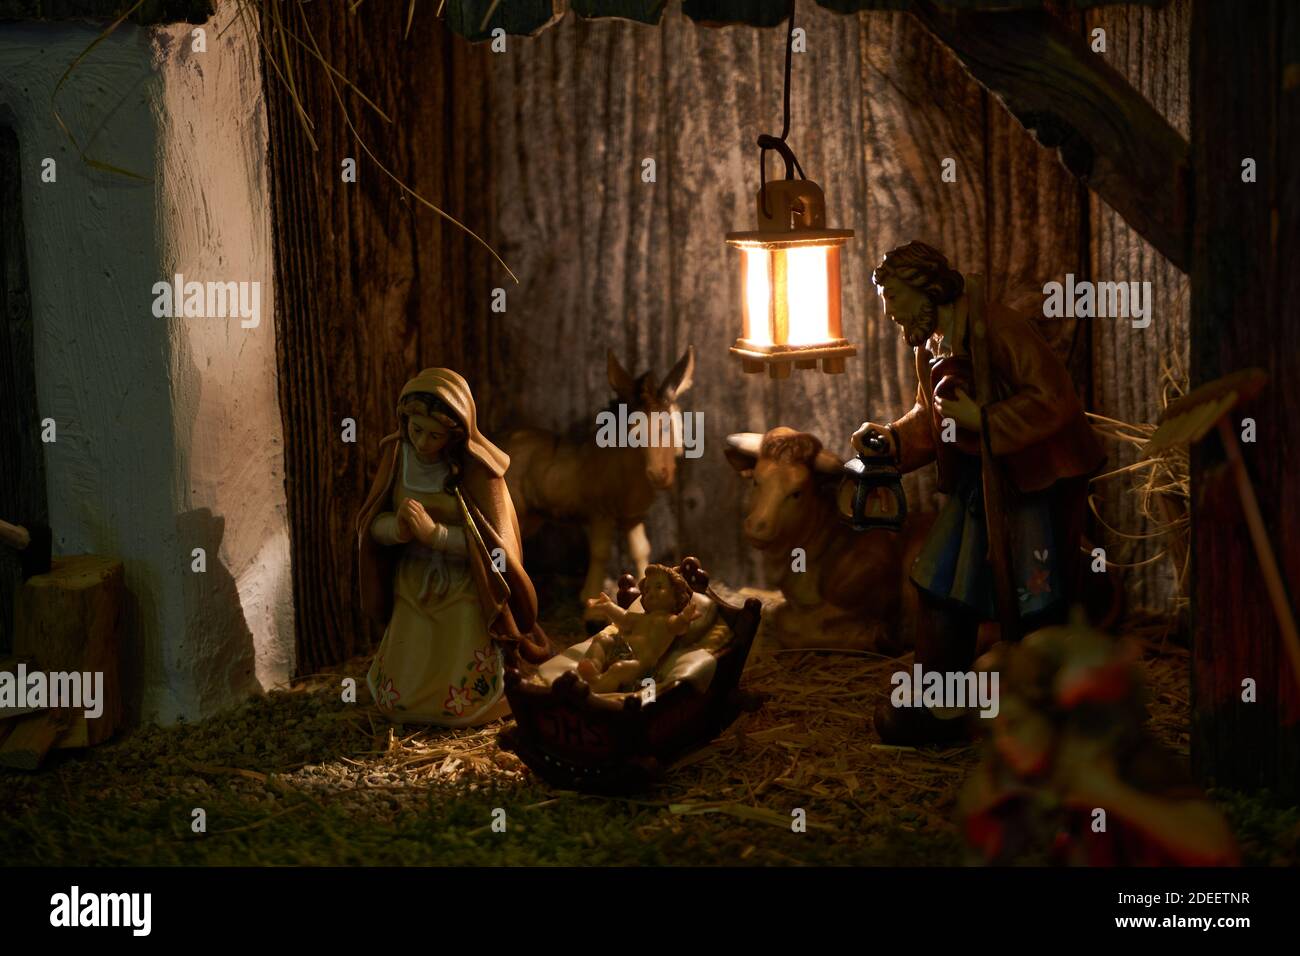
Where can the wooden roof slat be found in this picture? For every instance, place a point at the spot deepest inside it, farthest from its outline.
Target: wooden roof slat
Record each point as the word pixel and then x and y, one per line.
pixel 150 11
pixel 476 19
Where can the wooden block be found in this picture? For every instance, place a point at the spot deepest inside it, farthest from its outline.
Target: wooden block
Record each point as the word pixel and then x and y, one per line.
pixel 67 618
pixel 84 732
pixel 32 738
pixel 71 620
pixel 9 665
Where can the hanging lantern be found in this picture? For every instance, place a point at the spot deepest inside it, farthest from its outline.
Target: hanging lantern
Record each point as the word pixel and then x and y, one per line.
pixel 790 268
pixel 790 283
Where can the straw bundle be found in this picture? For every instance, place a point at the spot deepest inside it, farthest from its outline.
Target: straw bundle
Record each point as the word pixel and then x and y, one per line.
pixel 1160 483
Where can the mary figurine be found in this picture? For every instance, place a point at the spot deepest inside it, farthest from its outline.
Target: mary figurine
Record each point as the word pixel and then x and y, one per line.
pixel 441 563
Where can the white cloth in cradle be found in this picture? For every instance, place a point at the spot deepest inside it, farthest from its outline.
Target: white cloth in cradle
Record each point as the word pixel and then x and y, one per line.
pixel 694 665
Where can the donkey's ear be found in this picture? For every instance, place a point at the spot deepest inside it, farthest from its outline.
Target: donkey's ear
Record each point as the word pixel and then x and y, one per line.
pixel 620 380
pixel 679 379
pixel 742 451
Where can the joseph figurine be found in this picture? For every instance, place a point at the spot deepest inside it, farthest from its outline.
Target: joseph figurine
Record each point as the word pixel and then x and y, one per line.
pixel 1044 451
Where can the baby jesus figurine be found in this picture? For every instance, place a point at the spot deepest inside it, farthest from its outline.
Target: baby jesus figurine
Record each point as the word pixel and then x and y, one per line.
pixel 643 637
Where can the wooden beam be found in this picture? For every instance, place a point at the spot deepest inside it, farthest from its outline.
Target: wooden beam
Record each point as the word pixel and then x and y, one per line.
pixel 148 13
pixel 1108 135
pixel 1245 105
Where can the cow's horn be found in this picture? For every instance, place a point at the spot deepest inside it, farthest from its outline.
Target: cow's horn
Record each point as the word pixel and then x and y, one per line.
pixel 747 443
pixel 827 463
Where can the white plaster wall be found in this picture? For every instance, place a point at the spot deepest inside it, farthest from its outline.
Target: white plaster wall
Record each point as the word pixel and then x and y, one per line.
pixel 215 223
pixel 169 433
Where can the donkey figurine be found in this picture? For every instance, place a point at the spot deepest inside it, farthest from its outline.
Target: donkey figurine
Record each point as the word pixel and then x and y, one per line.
pixel 608 489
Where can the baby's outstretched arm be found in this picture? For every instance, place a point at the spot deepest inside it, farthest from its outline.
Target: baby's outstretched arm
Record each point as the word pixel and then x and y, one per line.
pixel 678 623
pixel 605 606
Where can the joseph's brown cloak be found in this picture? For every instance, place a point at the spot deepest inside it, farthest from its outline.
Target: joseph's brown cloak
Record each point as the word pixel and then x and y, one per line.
pixel 1037 426
pixel 507 597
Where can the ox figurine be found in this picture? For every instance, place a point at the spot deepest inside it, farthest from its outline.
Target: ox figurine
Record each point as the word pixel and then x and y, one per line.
pixel 609 489
pixel 847 589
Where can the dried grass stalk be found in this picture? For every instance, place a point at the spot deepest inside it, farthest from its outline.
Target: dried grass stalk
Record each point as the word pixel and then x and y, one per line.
pixel 277 34
pixel 1160 482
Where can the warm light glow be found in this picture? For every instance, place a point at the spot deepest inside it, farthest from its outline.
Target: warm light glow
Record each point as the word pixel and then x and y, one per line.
pixel 757 296
pixel 807 295
pixel 790 284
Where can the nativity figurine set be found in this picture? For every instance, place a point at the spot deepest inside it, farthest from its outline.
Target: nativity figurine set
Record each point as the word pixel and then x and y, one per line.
pixel 607 490
pixel 997 413
pixel 440 564
pixel 441 561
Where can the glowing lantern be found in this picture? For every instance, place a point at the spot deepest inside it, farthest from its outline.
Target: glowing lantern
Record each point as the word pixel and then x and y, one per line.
pixel 790 283
pixel 790 266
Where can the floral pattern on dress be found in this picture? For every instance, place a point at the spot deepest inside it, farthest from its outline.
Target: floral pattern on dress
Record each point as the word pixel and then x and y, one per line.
pixel 1039 580
pixel 385 691
pixel 475 686
pixel 458 698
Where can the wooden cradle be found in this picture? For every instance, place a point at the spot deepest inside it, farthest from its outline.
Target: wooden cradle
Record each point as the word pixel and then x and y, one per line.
pixel 576 740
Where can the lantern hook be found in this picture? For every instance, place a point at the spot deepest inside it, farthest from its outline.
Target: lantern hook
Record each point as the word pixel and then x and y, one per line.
pixel 778 143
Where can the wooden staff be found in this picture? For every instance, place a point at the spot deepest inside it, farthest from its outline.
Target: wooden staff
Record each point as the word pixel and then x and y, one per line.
pixel 1188 420
pixel 997 496
pixel 1268 565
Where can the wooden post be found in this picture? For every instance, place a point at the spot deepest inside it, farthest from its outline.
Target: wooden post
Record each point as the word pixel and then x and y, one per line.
pixel 22 457
pixel 407 275
pixel 1246 240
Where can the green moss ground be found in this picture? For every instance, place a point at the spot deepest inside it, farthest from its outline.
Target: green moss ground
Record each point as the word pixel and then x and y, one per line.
pixel 299 777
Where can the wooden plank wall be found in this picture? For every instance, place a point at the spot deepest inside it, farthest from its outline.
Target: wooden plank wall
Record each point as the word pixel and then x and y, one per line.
pixel 541 148
pixel 1150 48
pixel 371 287
pixel 606 260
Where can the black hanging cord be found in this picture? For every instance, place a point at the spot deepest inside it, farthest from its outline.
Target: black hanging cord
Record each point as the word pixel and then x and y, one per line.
pixel 789 58
pixel 774 143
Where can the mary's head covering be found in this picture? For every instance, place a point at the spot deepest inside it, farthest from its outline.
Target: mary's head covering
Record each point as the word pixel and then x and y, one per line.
pixel 454 390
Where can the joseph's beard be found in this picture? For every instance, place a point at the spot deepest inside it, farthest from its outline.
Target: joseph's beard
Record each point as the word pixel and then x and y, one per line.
pixel 922 326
